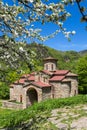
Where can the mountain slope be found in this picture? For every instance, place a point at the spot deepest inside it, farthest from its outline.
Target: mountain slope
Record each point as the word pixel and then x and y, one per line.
pixel 66 60
pixel 84 52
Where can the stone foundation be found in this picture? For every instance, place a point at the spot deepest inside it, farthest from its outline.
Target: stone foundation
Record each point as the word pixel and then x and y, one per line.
pixel 12 105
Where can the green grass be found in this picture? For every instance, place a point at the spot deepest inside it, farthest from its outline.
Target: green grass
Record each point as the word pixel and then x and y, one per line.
pixel 4 112
pixel 0 103
pixel 4 115
pixel 9 118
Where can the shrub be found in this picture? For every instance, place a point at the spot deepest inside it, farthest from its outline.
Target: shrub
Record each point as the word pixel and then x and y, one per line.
pixel 4 91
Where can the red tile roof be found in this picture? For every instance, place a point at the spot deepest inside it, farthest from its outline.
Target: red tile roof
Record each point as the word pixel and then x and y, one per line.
pixel 41 84
pixel 71 74
pixel 31 78
pixel 66 80
pixel 20 81
pixel 57 78
pixel 46 72
pixel 61 72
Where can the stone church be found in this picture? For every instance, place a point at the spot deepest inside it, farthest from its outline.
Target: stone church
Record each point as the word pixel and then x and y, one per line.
pixel 46 84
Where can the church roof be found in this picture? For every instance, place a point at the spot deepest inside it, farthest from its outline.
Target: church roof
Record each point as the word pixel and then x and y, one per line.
pixel 41 84
pixel 58 75
pixel 57 78
pixel 71 74
pixel 46 72
pixel 61 72
pixel 66 80
pixel 31 78
pixel 20 81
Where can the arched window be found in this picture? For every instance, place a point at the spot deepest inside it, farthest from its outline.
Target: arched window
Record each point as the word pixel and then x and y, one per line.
pixel 44 79
pixel 20 98
pixel 52 67
pixel 46 67
pixel 38 78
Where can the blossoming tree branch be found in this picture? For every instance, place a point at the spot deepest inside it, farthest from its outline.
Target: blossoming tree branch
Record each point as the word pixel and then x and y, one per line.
pixel 17 24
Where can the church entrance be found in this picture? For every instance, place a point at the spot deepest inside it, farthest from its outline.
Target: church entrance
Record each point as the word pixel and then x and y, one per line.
pixel 32 96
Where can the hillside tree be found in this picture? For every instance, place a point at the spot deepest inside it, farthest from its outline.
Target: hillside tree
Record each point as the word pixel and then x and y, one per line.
pixel 82 74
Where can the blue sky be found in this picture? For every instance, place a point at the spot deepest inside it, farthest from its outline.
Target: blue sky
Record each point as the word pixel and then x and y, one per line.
pixel 78 41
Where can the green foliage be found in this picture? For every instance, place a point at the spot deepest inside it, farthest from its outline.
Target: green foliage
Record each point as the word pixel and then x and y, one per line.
pixel 82 72
pixel 11 76
pixel 17 118
pixel 4 91
pixel 66 60
pixel 41 53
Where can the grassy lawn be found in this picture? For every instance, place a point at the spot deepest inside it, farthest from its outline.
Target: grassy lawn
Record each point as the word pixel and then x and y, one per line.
pixel 4 113
pixel 0 104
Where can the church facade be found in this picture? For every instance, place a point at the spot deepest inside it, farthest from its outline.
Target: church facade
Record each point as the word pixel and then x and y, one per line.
pixel 46 84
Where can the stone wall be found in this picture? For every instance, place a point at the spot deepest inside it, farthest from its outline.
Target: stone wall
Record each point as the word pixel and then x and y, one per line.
pixel 66 89
pixel 74 85
pixel 12 105
pixel 56 90
pixel 12 93
pixel 16 92
pixel 46 93
pixel 61 89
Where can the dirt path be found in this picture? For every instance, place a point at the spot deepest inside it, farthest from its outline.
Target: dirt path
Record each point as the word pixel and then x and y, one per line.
pixel 70 118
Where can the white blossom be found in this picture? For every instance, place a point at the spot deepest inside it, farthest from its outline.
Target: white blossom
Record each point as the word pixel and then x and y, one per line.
pixel 21 49
pixel 30 1
pixel 73 32
pixel 15 33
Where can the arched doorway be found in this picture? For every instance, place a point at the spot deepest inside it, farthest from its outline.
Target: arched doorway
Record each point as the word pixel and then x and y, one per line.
pixel 32 96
